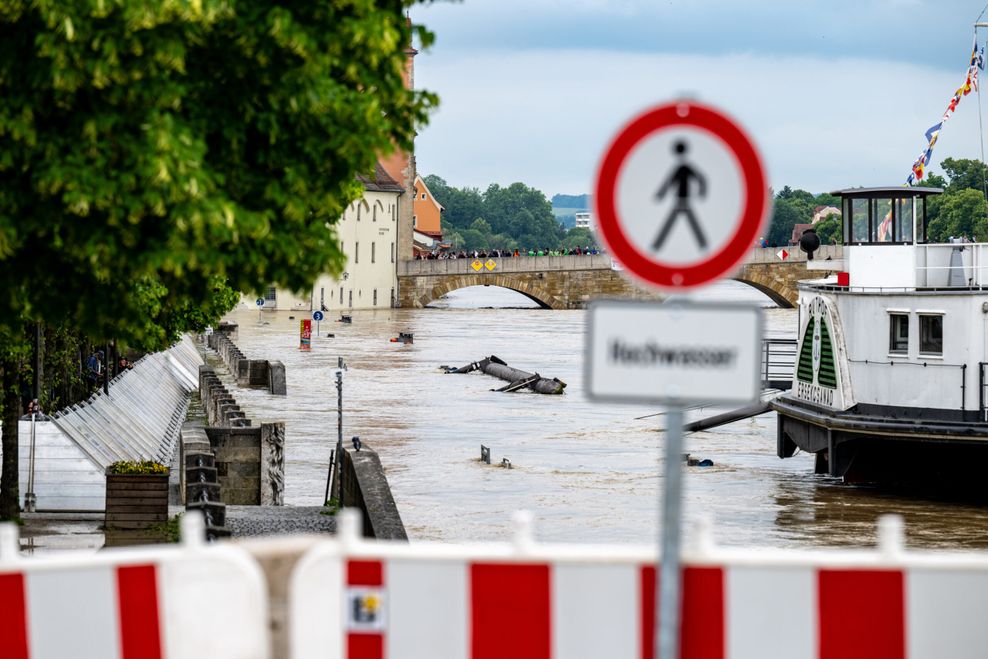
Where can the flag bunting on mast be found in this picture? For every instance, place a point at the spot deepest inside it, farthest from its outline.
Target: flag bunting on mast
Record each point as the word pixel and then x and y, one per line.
pixel 976 64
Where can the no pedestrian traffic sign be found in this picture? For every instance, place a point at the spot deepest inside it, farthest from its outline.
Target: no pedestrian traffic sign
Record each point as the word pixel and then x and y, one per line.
pixel 681 195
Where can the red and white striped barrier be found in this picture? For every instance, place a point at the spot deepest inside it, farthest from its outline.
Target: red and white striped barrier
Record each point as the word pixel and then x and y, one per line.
pixel 355 599
pixel 166 602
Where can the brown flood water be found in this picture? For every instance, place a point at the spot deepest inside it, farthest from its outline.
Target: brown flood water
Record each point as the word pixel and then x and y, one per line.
pixel 589 472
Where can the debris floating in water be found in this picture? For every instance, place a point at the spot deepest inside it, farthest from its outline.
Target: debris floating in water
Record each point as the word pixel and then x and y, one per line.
pixel 515 378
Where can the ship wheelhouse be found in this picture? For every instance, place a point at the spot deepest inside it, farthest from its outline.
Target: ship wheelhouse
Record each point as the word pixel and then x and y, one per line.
pixel 890 375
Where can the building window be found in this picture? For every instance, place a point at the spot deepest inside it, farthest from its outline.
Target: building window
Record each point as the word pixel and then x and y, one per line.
pixel 375 297
pixel 374 215
pixel 272 294
pixel 322 298
pixel 392 252
pixel 393 297
pixel 350 297
pixel 423 196
pixel 859 221
pixel 904 220
pixel 898 333
pixel 373 252
pixel 341 296
pixel 931 334
pixel 356 252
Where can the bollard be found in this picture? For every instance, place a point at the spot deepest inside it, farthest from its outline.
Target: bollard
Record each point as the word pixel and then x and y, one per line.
pixel 522 523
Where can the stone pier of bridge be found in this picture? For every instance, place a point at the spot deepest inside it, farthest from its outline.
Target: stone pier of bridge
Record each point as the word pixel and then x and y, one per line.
pixel 569 282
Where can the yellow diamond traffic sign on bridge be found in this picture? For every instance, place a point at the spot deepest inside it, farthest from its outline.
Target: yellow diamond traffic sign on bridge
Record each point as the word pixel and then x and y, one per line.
pixel 477 265
pixel 490 265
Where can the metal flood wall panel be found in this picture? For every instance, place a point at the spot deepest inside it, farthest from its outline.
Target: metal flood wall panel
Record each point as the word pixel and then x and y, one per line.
pixel 138 420
pixel 64 477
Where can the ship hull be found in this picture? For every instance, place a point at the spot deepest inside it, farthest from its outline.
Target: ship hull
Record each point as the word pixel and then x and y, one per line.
pixel 884 445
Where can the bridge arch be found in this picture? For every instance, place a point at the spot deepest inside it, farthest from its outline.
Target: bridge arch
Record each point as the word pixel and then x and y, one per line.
pixel 782 292
pixel 525 286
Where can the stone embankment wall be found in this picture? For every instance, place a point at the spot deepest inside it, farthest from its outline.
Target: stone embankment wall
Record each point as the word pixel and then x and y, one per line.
pixel 366 487
pixel 199 479
pixel 248 372
pixel 249 460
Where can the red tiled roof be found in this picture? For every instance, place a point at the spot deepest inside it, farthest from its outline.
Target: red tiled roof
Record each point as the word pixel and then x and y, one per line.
pixel 381 181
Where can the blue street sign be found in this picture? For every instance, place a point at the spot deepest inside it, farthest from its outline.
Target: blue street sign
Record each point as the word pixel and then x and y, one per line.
pixel 317 316
pixel 260 302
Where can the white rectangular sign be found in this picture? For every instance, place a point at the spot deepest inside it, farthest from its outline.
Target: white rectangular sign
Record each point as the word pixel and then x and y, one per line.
pixel 673 353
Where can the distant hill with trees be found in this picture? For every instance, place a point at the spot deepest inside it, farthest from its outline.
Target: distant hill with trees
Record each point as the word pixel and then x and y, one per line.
pixel 566 206
pixel 512 217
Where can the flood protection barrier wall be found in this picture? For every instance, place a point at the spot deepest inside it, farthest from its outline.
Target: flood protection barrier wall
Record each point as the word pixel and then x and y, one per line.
pixel 138 419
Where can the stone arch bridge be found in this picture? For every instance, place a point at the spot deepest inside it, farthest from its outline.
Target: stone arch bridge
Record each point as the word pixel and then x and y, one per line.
pixel 569 282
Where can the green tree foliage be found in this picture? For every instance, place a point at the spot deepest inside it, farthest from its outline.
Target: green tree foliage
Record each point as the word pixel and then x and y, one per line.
pixel 964 174
pixel 516 216
pixel 151 152
pixel 957 212
pixel 961 213
pixel 786 214
pixel 180 142
pixel 579 237
pixel 830 230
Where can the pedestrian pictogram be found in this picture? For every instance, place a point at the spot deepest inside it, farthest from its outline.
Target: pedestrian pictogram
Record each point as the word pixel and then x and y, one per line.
pixel 681 195
pixel 682 177
pixel 490 265
pixel 477 265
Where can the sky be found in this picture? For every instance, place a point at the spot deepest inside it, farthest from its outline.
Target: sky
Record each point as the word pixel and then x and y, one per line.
pixel 835 94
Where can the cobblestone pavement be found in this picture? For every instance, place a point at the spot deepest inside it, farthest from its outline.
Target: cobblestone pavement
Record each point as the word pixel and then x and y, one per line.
pixel 253 521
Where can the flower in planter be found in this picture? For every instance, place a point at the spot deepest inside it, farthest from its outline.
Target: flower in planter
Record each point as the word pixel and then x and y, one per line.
pixel 138 467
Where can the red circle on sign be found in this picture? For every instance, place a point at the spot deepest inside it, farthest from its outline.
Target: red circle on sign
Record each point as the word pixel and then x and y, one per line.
pixel 754 203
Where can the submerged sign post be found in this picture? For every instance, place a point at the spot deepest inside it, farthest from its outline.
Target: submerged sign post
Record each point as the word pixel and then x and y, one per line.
pixel 681 196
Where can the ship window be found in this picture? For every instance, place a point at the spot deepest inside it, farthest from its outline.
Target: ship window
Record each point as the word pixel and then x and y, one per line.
pixel 931 334
pixel 881 223
pixel 904 220
pixel 898 333
pixel 859 220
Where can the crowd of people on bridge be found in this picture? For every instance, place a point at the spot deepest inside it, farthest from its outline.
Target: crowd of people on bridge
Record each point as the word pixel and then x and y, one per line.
pixel 442 255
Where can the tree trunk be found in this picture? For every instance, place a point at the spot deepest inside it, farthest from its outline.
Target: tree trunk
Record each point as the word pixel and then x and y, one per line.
pixel 10 403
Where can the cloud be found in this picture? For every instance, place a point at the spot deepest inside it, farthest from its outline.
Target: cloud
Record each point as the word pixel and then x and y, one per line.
pixel 544 117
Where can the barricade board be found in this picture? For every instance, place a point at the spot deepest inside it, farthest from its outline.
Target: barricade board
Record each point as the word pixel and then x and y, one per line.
pixel 181 602
pixel 375 600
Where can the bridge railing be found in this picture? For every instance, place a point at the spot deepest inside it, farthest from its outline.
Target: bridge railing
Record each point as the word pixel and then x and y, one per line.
pixel 793 253
pixel 499 264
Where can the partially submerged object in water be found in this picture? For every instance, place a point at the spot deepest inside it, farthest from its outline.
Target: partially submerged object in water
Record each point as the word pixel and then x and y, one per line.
pixel 516 379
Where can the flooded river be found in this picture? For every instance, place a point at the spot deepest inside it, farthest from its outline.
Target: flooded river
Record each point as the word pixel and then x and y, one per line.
pixel 589 472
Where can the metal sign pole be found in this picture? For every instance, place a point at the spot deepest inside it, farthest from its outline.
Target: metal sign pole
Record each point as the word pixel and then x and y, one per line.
pixel 339 429
pixel 669 573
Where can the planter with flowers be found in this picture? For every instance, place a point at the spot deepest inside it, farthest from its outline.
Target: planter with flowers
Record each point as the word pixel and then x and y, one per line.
pixel 136 495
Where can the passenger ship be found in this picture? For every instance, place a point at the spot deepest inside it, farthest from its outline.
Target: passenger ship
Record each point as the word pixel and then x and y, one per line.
pixel 889 379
